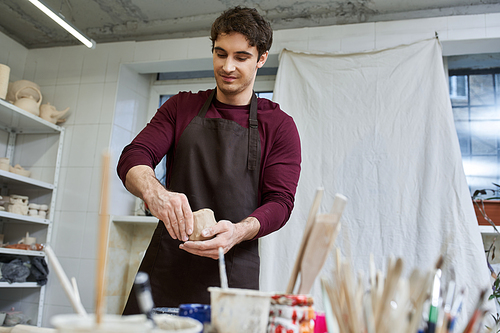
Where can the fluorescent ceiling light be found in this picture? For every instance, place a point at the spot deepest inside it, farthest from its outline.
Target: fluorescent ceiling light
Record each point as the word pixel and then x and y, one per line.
pixel 59 19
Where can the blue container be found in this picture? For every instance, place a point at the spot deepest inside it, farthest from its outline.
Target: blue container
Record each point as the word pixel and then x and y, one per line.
pixel 200 312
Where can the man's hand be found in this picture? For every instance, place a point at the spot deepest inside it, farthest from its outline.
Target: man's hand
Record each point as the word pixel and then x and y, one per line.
pixel 170 207
pixel 174 210
pixel 227 235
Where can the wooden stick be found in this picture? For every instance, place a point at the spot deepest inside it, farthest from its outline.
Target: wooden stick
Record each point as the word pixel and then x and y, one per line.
pixel 391 281
pixel 309 224
pixel 103 240
pixel 63 279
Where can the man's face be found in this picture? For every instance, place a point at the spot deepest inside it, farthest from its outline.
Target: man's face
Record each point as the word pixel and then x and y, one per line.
pixel 235 64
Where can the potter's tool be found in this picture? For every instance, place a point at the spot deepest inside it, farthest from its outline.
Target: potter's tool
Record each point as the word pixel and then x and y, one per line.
pixel 75 289
pixel 450 294
pixel 222 270
pixel 476 315
pixel 143 293
pixel 319 243
pixel 103 239
pixel 455 310
pixel 71 292
pixel 309 224
pixel 391 281
pixel 436 289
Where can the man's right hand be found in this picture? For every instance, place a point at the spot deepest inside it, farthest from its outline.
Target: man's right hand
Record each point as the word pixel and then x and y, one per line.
pixel 174 210
pixel 170 207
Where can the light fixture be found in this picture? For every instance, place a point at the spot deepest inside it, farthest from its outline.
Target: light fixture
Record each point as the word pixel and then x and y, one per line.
pixel 59 19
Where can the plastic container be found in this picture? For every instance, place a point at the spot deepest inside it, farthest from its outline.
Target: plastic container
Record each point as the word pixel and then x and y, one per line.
pixel 200 312
pixel 239 310
pixel 74 323
pixel 320 323
pixel 175 324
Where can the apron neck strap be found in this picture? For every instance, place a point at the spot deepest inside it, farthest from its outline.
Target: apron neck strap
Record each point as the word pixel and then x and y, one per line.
pixel 253 134
pixel 204 108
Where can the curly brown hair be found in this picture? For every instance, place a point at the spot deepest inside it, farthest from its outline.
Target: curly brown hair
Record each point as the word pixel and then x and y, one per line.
pixel 246 21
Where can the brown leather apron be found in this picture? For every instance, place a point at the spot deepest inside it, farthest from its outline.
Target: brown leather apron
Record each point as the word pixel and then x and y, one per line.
pixel 217 165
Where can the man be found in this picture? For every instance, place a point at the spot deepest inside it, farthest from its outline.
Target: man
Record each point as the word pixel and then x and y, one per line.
pixel 227 150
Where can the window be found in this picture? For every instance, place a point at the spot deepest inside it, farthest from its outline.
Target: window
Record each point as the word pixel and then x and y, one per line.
pixel 475 98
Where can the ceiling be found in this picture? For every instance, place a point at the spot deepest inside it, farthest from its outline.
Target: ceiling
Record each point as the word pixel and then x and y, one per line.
pixel 139 20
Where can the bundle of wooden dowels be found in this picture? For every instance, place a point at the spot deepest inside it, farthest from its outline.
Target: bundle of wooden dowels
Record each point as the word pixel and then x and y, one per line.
pixel 392 303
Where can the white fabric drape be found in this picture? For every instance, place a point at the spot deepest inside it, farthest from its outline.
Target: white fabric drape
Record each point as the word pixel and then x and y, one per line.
pixel 378 128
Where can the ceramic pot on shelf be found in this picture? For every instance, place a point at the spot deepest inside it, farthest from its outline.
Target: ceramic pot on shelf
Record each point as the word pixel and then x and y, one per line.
pixel 28 88
pixel 4 163
pixel 4 80
pixel 29 103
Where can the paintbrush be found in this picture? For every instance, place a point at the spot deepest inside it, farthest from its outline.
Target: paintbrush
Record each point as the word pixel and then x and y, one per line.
pixel 436 285
pixel 455 310
pixel 476 315
pixel 222 270
pixel 143 293
pixel 450 294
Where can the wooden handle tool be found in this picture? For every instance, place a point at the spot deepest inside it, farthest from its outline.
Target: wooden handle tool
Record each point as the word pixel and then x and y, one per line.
pixel 319 244
pixel 307 231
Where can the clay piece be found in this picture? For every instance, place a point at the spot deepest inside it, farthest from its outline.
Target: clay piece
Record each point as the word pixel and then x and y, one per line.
pixel 19 170
pixel 18 204
pixel 36 210
pixel 30 102
pixel 27 240
pixel 203 218
pixel 28 88
pixel 49 112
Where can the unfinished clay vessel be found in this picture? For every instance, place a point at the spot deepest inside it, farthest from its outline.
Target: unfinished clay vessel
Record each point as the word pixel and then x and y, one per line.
pixel 27 240
pixel 18 204
pixel 48 112
pixel 203 218
pixel 19 170
pixel 28 88
pixel 29 102
pixel 4 163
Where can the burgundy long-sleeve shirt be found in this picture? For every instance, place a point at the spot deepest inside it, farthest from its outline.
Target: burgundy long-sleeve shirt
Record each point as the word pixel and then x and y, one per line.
pixel 280 149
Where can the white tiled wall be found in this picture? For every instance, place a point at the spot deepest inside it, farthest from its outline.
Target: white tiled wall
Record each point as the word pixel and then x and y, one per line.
pixel 108 101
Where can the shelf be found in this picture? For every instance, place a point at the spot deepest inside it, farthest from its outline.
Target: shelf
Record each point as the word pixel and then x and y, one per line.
pixel 134 219
pixel 15 121
pixel 488 230
pixel 17 218
pixel 21 121
pixel 19 285
pixel 22 252
pixel 15 179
